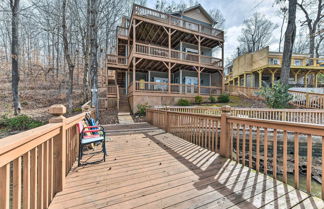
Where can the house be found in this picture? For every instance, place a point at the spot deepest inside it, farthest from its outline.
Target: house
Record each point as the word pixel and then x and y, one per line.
pixel 160 58
pixel 263 67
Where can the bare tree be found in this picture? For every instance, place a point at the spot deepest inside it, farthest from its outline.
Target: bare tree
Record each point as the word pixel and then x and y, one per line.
pixel 289 42
pixel 94 53
pixel 312 22
pixel 14 5
pixel 256 33
pixel 67 57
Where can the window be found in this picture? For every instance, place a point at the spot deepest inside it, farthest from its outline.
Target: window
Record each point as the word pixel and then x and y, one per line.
pixel 274 61
pixel 297 62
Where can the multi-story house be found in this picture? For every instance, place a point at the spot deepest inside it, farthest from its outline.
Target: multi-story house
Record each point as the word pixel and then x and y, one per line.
pixel 161 58
pixel 264 67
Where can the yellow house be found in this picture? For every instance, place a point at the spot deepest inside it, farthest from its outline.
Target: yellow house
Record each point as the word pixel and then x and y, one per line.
pixel 263 67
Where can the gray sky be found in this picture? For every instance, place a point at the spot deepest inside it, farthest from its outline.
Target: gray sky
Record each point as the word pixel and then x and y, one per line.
pixel 235 11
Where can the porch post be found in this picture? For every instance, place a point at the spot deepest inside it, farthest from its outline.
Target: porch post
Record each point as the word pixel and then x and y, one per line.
pixel 239 81
pixel 199 52
pixel 199 80
pixel 126 82
pixel 169 37
pixel 244 82
pixel 316 80
pixel 149 79
pixel 169 78
pixel 134 59
pixel 134 75
pixel 260 78
pixel 180 81
pixel 272 78
pixel 305 80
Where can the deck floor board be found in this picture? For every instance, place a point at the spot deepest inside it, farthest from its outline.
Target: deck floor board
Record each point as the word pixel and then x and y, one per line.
pixel 153 169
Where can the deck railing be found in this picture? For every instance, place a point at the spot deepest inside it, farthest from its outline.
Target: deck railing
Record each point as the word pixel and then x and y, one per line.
pixel 290 115
pixel 177 21
pixel 34 163
pixel 260 144
pixel 175 88
pixel 163 52
pixel 307 99
pixel 116 60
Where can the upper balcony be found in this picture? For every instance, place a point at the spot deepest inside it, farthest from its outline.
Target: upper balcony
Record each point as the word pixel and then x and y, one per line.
pixel 298 62
pixel 173 21
pixel 157 52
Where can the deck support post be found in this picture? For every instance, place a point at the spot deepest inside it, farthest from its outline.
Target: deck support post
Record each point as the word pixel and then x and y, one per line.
pixel 59 164
pixel 305 80
pixel 225 142
pixel 134 74
pixel 169 78
pixel 198 71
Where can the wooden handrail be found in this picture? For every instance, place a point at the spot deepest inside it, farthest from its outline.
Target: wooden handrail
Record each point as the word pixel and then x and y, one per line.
pixel 291 115
pixel 42 157
pixel 176 21
pixel 241 139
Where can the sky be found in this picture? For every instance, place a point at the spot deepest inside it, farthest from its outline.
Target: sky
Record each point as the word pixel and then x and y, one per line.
pixel 235 11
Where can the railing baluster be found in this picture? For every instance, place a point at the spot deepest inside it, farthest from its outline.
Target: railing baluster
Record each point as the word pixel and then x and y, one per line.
pixel 26 180
pixel 40 173
pixel 4 186
pixel 285 157
pixel 33 178
pixel 16 187
pixel 250 145
pixel 258 150
pixel 274 172
pixel 296 161
pixel 265 158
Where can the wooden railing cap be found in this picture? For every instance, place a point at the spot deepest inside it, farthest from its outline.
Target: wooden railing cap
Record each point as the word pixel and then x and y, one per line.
pixel 57 110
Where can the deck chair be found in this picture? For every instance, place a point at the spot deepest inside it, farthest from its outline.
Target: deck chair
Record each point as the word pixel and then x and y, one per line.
pixel 89 135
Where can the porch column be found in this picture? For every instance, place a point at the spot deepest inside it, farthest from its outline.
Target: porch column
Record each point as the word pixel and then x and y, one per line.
pixel 126 82
pixel 260 78
pixel 199 52
pixel 198 80
pixel 169 36
pixel 180 81
pixel 272 77
pixel 169 78
pixel 239 81
pixel 305 80
pixel 244 81
pixel 134 74
pixel 149 79
pixel 316 80
pixel 134 59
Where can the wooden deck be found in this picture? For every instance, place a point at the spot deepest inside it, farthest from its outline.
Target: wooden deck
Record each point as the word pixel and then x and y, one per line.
pixel 148 168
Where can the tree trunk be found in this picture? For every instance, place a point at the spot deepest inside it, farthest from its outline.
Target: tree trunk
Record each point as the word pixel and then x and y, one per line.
pixel 94 52
pixel 86 88
pixel 15 54
pixel 289 42
pixel 68 59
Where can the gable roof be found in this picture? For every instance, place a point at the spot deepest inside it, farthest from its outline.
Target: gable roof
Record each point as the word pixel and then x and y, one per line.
pixel 201 8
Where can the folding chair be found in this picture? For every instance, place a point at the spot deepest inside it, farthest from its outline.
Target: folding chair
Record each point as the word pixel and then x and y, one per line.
pixel 91 134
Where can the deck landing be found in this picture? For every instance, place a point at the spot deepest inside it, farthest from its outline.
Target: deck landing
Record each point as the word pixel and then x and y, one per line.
pixel 149 168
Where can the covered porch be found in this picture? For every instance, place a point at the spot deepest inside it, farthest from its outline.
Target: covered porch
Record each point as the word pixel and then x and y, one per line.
pixel 169 78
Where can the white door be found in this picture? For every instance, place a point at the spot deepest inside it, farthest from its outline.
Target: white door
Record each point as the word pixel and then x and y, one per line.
pixel 191 81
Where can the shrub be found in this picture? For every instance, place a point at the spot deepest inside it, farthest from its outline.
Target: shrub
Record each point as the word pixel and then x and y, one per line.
pixel 183 102
pixel 212 99
pixel 198 99
pixel 141 109
pixel 276 96
pixel 223 98
pixel 20 122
